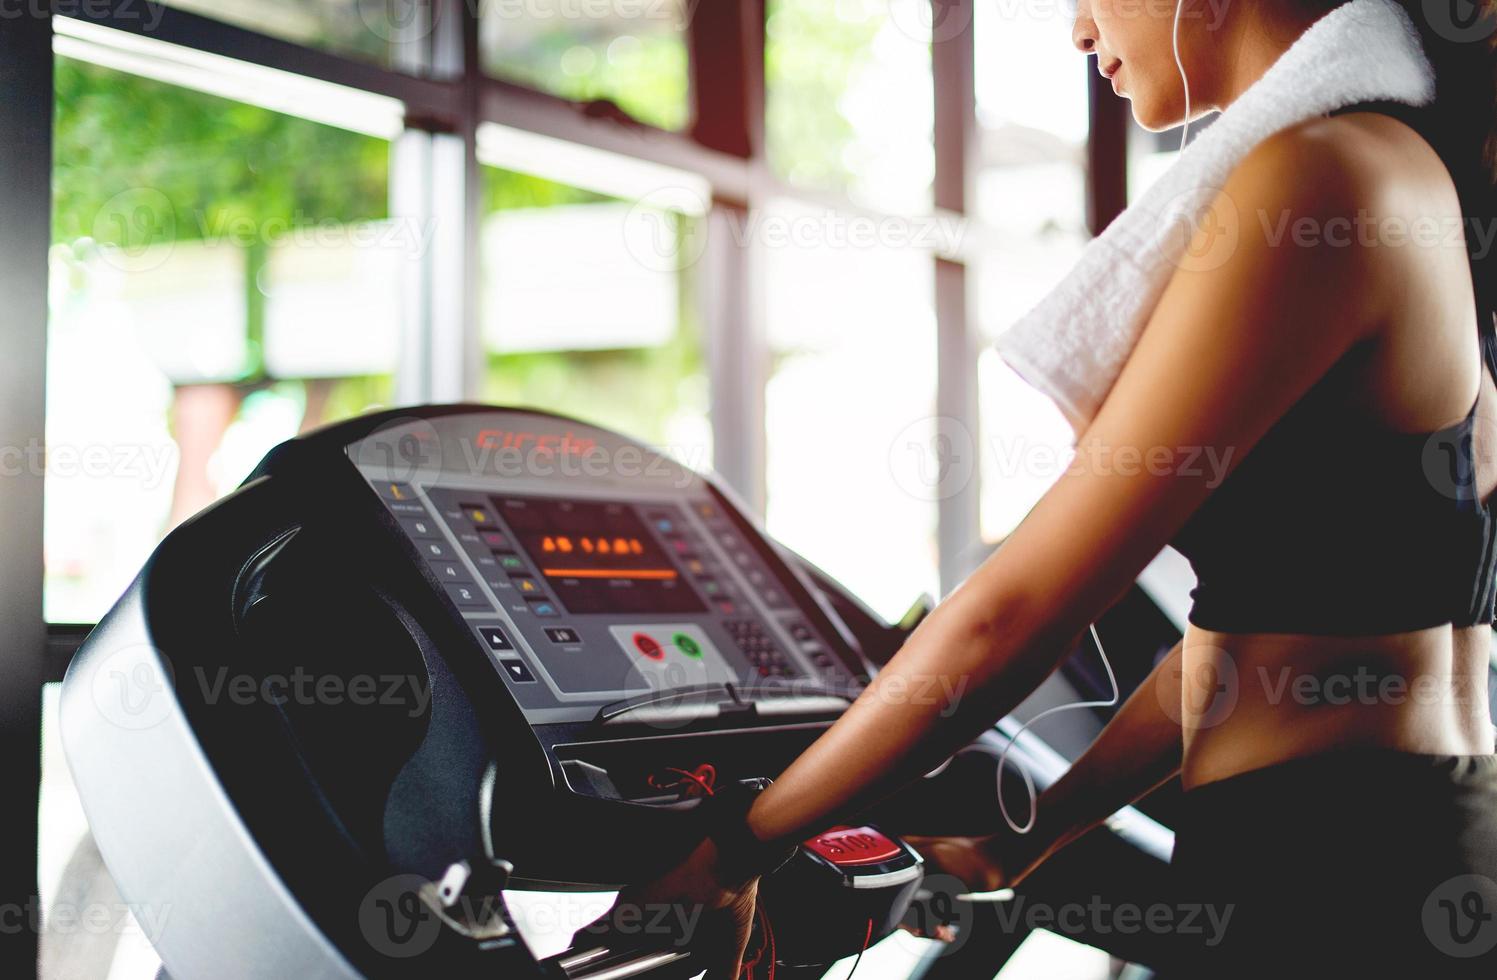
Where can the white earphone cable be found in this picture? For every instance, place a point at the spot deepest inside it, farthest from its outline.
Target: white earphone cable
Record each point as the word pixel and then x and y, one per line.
pixel 1028 782
pixel 1180 64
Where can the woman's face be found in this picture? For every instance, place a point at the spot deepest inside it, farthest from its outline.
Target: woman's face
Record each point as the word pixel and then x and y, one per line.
pixel 1132 42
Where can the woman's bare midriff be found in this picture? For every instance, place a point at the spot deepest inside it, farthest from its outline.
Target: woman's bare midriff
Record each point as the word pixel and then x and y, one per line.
pixel 1250 700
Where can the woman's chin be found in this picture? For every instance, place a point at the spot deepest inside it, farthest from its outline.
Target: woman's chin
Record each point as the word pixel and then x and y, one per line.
pixel 1151 116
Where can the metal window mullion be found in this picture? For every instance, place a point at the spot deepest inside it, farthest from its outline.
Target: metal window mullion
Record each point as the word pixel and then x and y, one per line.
pixel 953 68
pixel 727 147
pixel 411 203
pixel 454 358
pixel 732 297
pixel 25 231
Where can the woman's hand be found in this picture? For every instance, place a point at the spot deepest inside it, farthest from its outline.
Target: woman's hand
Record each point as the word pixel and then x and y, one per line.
pixel 715 916
pixel 983 864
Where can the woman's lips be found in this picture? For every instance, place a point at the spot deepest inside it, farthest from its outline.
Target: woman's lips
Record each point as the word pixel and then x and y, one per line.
pixel 1111 73
pixel 1111 68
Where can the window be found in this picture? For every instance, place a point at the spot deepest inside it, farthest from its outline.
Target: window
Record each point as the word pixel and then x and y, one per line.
pixel 588 311
pixel 851 402
pixel 1031 200
pixel 632 53
pixel 849 100
pixel 224 294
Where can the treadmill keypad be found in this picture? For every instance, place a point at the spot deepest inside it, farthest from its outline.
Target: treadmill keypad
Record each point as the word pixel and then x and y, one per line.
pixel 495 638
pixel 763 653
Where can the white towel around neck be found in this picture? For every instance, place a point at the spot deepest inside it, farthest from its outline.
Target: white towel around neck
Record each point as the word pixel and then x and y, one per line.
pixel 1073 344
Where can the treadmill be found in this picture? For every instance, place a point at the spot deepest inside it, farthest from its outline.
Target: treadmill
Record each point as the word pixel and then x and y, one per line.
pixel 425 656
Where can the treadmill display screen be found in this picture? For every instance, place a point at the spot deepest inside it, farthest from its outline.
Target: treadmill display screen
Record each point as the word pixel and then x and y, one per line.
pixel 597 557
pixel 595 575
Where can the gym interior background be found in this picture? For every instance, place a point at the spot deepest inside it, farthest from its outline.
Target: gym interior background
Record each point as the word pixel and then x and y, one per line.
pixel 770 236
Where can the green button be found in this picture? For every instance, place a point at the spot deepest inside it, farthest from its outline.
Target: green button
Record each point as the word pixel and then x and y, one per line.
pixel 687 645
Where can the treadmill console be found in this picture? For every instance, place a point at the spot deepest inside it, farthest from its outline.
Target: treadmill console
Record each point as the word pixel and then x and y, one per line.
pixel 600 577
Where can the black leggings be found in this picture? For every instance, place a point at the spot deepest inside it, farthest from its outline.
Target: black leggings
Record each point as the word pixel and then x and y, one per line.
pixel 1346 864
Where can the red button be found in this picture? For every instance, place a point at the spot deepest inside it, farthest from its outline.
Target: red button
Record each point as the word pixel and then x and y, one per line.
pixel 645 644
pixel 844 846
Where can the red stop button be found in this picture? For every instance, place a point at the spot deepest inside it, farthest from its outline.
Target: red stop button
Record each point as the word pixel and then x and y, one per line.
pixel 648 645
pixel 845 846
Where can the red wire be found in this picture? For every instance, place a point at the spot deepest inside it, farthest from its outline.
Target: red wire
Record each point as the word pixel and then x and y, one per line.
pixel 868 936
pixel 704 777
pixel 766 944
pixel 769 941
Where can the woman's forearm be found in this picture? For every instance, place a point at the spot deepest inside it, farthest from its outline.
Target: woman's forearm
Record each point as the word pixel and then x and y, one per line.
pixel 962 670
pixel 1138 750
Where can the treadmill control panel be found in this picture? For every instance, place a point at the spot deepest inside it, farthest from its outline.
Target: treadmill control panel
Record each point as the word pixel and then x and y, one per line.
pixel 594 572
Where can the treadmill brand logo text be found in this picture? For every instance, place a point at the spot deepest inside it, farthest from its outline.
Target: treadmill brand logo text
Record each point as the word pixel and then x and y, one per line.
pixel 566 444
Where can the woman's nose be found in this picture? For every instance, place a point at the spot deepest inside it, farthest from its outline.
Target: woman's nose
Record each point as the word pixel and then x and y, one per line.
pixel 1084 30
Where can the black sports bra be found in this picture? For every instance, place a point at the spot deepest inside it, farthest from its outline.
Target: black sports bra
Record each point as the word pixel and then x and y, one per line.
pixel 1335 525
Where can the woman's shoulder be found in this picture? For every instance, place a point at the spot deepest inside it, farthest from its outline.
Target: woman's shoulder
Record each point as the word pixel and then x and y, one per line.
pixel 1368 162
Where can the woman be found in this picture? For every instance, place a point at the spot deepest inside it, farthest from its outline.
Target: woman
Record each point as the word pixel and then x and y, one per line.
pixel 1326 710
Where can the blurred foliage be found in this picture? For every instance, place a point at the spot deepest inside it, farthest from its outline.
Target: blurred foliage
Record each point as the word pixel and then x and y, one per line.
pixel 220 164
pixel 812 50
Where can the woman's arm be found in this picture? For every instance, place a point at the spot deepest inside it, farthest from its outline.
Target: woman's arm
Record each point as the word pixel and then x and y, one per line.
pixel 1138 750
pixel 1243 330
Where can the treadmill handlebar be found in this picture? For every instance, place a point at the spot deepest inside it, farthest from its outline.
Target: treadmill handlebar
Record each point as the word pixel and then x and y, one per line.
pixel 707 701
